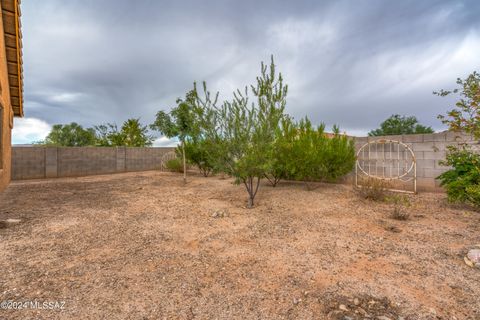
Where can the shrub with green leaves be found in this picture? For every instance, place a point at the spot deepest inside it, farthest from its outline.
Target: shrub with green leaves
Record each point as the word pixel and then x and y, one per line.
pixel 339 155
pixel 250 139
pixel 174 165
pixel 198 153
pixel 462 182
pixel 280 155
pixel 315 156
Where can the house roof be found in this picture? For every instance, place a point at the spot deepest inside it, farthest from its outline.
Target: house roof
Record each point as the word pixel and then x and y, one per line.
pixel 13 46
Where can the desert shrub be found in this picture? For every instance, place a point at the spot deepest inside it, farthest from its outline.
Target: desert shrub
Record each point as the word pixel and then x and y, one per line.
pixel 281 153
pixel 399 213
pixel 462 182
pixel 373 189
pixel 174 165
pixel 398 199
pixel 308 154
pixel 399 202
pixel 339 156
pixel 307 163
pixel 473 195
pixel 199 153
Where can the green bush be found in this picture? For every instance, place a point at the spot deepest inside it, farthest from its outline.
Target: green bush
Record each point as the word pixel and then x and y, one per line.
pixel 462 182
pixel 174 165
pixel 339 156
pixel 199 153
pixel 310 155
pixel 281 154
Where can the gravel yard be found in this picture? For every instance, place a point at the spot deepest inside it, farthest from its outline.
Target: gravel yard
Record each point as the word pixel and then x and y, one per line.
pixel 143 246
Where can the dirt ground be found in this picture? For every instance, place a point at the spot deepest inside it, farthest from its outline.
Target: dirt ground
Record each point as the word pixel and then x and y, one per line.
pixel 143 246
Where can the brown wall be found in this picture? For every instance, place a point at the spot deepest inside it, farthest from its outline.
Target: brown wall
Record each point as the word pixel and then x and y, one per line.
pixel 55 162
pixel 7 118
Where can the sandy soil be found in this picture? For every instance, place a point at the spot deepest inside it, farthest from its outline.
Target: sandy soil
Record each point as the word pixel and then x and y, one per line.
pixel 143 246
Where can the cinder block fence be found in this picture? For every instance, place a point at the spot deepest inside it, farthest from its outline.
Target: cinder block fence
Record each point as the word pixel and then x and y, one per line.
pixel 429 150
pixel 54 162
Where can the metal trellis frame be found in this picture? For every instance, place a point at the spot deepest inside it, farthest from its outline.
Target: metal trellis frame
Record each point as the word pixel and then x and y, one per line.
pixel 387 160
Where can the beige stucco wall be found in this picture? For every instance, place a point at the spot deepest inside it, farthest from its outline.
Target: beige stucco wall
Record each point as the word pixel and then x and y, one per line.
pixel 7 118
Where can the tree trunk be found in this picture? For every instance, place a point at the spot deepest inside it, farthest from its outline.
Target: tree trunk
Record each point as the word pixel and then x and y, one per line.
pixel 251 189
pixel 184 163
pixel 273 180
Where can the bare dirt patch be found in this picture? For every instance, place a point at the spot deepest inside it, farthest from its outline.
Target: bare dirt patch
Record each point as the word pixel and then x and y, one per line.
pixel 143 246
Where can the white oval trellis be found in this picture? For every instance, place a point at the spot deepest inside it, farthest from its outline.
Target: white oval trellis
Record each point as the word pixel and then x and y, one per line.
pixel 387 160
pixel 167 157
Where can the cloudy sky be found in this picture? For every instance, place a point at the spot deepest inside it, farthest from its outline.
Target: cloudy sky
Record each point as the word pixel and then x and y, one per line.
pixel 351 63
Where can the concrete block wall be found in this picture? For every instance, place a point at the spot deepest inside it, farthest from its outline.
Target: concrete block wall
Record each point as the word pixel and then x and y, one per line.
pixel 138 159
pixel 429 150
pixel 55 162
pixel 52 162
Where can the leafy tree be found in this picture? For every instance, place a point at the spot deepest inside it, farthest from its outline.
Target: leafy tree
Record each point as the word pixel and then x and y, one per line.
pixel 397 124
pixel 243 132
pixel 131 134
pixel 180 122
pixel 197 153
pixel 465 116
pixel 462 182
pixel 108 135
pixel 281 153
pixel 134 134
pixel 70 135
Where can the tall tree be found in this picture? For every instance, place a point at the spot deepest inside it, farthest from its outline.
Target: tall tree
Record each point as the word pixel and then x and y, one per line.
pixel 131 134
pixel 134 134
pixel 397 124
pixel 179 122
pixel 70 135
pixel 462 181
pixel 465 115
pixel 244 131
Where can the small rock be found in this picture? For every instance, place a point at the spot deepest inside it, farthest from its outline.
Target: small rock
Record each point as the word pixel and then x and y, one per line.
pixel 356 301
pixel 13 221
pixel 383 318
pixel 343 307
pixel 473 258
pixel 220 214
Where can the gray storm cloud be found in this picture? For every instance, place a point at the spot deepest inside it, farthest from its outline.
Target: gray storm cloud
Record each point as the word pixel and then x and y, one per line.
pixel 351 63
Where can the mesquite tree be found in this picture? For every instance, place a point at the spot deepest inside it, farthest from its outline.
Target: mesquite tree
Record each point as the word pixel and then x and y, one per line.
pixel 243 132
pixel 179 122
pixel 465 116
